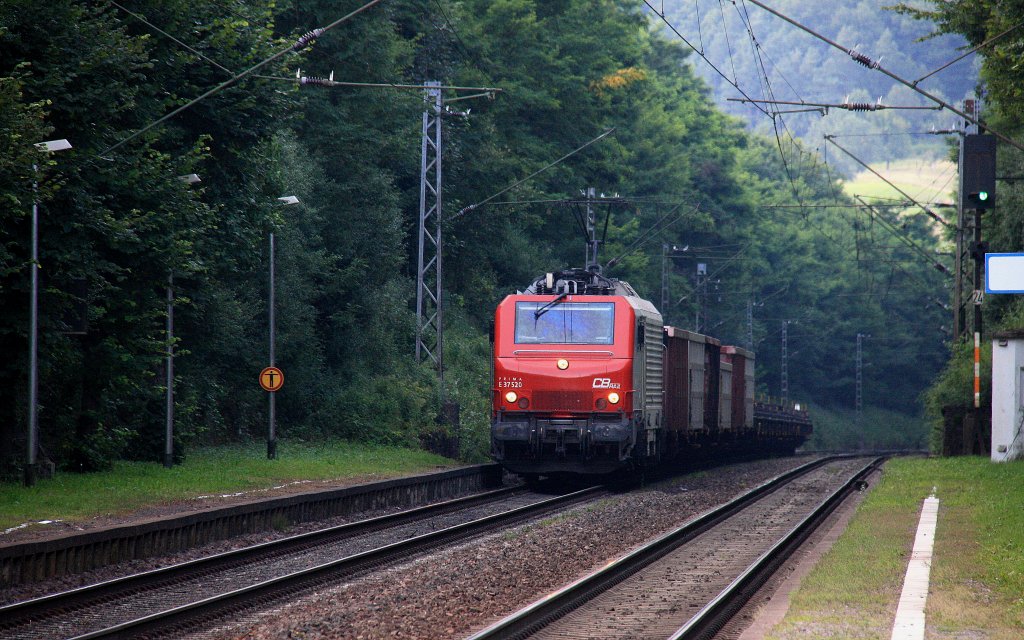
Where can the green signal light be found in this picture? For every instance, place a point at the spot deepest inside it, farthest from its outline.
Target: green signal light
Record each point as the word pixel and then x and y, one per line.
pixel 983 195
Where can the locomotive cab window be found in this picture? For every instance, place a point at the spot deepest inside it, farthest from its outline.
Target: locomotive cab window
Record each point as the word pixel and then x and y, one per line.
pixel 565 323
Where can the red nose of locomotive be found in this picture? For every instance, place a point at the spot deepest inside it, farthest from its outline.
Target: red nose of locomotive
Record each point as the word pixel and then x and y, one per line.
pixel 563 380
pixel 561 383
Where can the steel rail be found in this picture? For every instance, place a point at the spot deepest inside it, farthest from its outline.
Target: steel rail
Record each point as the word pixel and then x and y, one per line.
pixel 536 616
pixel 717 613
pixel 176 620
pixel 19 613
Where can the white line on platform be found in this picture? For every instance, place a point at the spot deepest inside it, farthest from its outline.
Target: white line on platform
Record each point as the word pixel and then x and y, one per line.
pixel 909 623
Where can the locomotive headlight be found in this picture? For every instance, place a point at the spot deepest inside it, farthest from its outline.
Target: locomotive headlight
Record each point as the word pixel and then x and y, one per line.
pixel 511 397
pixel 563 364
pixel 613 398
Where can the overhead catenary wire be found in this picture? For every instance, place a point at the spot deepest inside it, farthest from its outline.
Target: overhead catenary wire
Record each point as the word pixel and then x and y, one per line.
pixel 299 44
pixel 657 226
pixel 849 106
pixel 701 54
pixel 974 49
pixel 902 237
pixel 515 184
pixel 866 61
pixel 170 37
pixel 929 212
pixel 769 92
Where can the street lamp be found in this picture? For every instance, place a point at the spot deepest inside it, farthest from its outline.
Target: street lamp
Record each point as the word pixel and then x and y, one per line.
pixel 189 179
pixel 33 334
pixel 272 428
pixel 668 251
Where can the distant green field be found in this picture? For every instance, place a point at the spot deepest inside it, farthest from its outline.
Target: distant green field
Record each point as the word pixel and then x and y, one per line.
pixel 209 471
pixel 924 180
pixel 977 571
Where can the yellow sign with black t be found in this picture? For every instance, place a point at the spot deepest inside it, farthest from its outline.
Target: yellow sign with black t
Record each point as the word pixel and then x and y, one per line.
pixel 271 379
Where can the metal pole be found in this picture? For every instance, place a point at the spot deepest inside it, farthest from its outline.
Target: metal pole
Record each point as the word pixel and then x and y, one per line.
pixel 664 278
pixel 591 257
pixel 858 401
pixel 271 432
pixel 33 371
pixel 785 361
pixel 978 258
pixel 169 437
pixel 439 109
pixel 429 294
pixel 750 324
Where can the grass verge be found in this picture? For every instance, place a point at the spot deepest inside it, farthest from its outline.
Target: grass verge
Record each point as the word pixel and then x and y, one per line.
pixel 977 577
pixel 219 470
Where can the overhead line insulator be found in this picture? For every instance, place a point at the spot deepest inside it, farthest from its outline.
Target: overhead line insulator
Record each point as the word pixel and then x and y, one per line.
pixel 860 58
pixel 307 38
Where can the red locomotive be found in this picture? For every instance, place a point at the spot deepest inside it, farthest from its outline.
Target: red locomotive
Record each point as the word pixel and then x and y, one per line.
pixel 587 380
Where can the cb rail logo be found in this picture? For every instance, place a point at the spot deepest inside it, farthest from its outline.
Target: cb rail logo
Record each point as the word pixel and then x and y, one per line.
pixel 605 383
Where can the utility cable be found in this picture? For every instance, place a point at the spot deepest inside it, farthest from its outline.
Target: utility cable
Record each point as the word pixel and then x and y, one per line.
pixel 701 54
pixel 463 211
pixel 462 44
pixel 877 216
pixel 301 43
pixel 167 35
pixel 931 214
pixel 959 58
pixel 657 226
pixel 866 61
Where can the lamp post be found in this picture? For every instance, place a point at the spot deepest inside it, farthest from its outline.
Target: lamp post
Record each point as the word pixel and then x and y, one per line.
pixel 668 251
pixel 33 333
pixel 188 179
pixel 272 427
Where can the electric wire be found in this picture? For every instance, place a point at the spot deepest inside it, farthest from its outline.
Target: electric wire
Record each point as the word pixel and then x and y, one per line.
pixel 866 61
pixel 299 44
pixel 474 60
pixel 170 37
pixel 728 43
pixel 657 226
pixel 703 57
pixel 515 184
pixel 959 58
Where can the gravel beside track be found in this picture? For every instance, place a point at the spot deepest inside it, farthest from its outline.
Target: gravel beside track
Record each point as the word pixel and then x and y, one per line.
pixel 252 572
pixel 454 592
pixel 658 600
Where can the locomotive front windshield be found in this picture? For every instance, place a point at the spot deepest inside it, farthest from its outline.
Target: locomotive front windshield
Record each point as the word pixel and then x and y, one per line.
pixel 565 323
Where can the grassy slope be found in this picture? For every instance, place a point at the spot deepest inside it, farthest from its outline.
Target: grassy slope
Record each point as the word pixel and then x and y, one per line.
pixel 221 470
pixel 925 180
pixel 977 578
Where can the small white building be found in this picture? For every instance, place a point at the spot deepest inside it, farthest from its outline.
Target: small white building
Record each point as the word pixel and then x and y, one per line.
pixel 1008 395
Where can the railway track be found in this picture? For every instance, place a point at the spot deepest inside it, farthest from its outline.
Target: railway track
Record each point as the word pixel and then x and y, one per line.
pixel 688 583
pixel 174 599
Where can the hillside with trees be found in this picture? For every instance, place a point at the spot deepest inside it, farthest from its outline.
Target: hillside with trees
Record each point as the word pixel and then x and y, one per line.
pixel 770 59
pixel 117 224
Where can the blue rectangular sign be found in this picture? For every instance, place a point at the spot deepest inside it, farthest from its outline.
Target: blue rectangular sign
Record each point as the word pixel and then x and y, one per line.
pixel 1004 273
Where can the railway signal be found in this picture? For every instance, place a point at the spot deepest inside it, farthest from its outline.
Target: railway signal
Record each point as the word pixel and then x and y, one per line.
pixel 978 171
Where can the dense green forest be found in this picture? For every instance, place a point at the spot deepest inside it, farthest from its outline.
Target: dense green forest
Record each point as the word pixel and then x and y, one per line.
pixel 770 59
pixel 781 243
